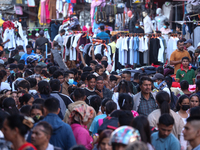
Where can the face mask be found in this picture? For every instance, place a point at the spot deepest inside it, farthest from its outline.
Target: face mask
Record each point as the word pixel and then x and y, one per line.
pixel 165 27
pixel 71 81
pixel 11 71
pixel 155 84
pixel 185 107
pixel 136 27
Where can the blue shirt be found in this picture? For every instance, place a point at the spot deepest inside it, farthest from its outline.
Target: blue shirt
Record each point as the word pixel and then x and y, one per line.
pixel 103 36
pixel 197 148
pixel 24 57
pixel 168 143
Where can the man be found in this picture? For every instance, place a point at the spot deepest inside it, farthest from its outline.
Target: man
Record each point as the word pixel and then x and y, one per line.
pixel 132 21
pixel 28 53
pixel 63 99
pixel 69 80
pixel 113 43
pixel 52 69
pixel 112 82
pixel 59 38
pixel 192 132
pixel 59 75
pixel 23 85
pixel 41 42
pixel 20 67
pixel 198 87
pixel 103 35
pixel 164 139
pixel 20 50
pixel 126 75
pixel 38 70
pixel 185 72
pixel 41 135
pixel 137 28
pixel 136 79
pixel 33 83
pixel 144 101
pixel 189 46
pixel 177 55
pixel 62 133
pixel 160 84
pixel 102 91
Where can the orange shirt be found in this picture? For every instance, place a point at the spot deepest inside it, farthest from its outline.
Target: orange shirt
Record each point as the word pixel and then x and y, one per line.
pixel 178 55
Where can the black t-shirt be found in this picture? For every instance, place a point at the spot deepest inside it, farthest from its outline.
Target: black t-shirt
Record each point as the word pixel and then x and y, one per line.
pixel 89 95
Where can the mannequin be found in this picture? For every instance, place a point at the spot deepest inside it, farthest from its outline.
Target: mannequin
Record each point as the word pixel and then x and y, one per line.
pixel 160 19
pixel 167 7
pixel 132 21
pixel 148 26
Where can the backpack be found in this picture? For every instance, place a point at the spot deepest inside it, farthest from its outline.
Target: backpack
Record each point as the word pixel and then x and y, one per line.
pixel 108 123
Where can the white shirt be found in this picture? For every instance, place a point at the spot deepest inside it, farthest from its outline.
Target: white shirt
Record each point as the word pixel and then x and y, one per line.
pixel 59 39
pixel 148 26
pixel 191 48
pixel 4 86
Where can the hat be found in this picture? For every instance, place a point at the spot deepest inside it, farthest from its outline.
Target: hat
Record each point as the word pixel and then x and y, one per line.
pixel 41 33
pixel 188 41
pixel 13 66
pixel 158 76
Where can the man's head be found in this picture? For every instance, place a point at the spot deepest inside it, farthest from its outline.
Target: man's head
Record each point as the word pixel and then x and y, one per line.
pixel 185 61
pixel 28 49
pixel 113 81
pixel 32 81
pixel 41 134
pixel 180 45
pixel 160 70
pixel 55 85
pixel 59 75
pixel 126 75
pixel 99 69
pixel 145 85
pixel 136 77
pixel 51 105
pixel 39 50
pixel 102 28
pixel 79 94
pixel 21 66
pixel 23 85
pixel 184 85
pixel 100 83
pixel 104 64
pixel 62 32
pixel 13 67
pixel 93 64
pixel 98 57
pixel 38 69
pixel 52 69
pixel 158 78
pixel 188 43
pixel 165 125
pixel 114 38
pixel 91 79
pixel 104 58
pixel 69 77
pixel 192 129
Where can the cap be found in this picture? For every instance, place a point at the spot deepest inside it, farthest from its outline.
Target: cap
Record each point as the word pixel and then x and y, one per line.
pixel 41 32
pixel 158 76
pixel 188 41
pixel 13 66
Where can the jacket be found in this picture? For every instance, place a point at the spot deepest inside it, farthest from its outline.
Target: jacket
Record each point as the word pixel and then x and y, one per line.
pixel 131 24
pixel 137 99
pixel 82 136
pixel 40 42
pixel 62 136
pixel 65 88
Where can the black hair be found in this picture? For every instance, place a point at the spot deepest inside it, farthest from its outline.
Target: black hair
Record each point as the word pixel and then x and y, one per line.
pixel 136 76
pixel 195 111
pixel 3 116
pixel 47 127
pixel 24 84
pixel 79 93
pixel 3 73
pixel 185 58
pixel 24 99
pixel 39 101
pixel 11 60
pixel 142 125
pixel 55 84
pixel 22 62
pixel 28 46
pixel 125 118
pixel 16 121
pixel 163 99
pixel 20 66
pixel 166 23
pixel 98 67
pixel 28 72
pixel 166 119
pixel 144 78
pixel 80 83
pixel 25 110
pixel 78 147
pixel 194 94
pixel 93 62
pixel 52 104
pixel 9 106
pixel 55 44
pixel 99 78
pixel 104 101
pixel 52 69
pixel 14 76
pixel 105 63
pixel 160 70
pixel 113 78
pixel 62 31
pixel 123 85
pixel 90 77
pixel 57 74
pixel 32 81
pixel 49 65
pixel 114 38
pixel 74 70
pixel 198 84
pixel 84 75
pixel 125 101
pixel 102 27
pixel 98 57
pixel 179 41
pixel 37 106
pixel 184 85
pixel 44 87
pixel 193 118
pixel 114 73
pixel 110 107
pixel 180 100
pixel 95 102
pixel 38 68
pixel 126 72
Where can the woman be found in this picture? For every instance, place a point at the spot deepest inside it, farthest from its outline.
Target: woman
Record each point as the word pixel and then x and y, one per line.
pixel 142 125
pixel 26 99
pixel 15 128
pixel 15 97
pixel 9 106
pixel 36 110
pixel 81 84
pixel 3 78
pixel 44 90
pixel 79 117
pixel 103 140
pixel 163 101
pixel 194 100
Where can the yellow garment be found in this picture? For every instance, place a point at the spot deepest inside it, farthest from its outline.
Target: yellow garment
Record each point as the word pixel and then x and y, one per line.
pixel 1 22
pixel 113 47
pixel 39 15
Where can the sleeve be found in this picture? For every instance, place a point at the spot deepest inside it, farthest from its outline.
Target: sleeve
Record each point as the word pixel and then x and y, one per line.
pixel 56 38
pixel 178 74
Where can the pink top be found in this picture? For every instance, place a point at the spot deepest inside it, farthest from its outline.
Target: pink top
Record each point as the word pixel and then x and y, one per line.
pixel 82 136
pixel 165 31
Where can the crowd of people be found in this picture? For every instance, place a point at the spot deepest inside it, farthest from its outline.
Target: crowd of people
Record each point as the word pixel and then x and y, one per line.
pixel 48 105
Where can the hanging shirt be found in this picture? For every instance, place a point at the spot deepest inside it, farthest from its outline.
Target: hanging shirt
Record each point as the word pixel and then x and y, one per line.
pixel 131 56
pixel 161 51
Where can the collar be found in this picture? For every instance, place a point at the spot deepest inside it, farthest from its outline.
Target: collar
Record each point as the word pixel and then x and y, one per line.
pixel 151 96
pixel 90 90
pixel 189 68
pixel 162 139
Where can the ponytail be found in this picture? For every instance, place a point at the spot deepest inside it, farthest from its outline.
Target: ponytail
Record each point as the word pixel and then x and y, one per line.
pixel 163 100
pixel 164 108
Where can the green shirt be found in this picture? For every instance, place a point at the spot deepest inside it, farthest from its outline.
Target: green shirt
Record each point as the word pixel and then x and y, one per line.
pixel 183 75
